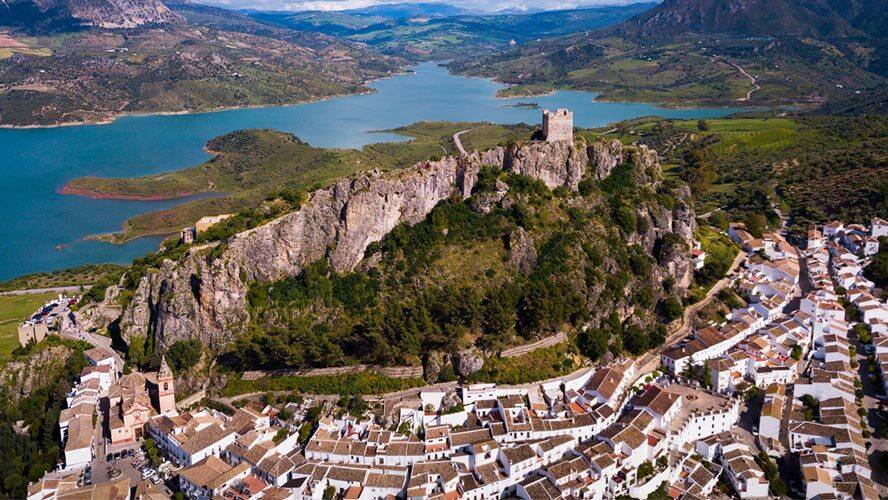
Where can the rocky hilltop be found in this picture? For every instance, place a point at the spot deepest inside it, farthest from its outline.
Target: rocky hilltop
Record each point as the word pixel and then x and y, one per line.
pixel 109 14
pixel 205 293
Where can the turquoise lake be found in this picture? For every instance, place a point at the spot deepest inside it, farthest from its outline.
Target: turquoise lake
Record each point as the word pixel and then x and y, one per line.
pixel 43 230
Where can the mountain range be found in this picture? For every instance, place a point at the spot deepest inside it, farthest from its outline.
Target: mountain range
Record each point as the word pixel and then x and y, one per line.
pixel 60 14
pixel 818 18
pixel 709 51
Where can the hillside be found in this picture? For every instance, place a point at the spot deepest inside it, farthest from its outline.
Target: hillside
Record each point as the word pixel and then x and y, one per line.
pixel 702 51
pixel 202 59
pixel 818 18
pixel 444 256
pixel 814 168
pixel 451 35
pixel 40 15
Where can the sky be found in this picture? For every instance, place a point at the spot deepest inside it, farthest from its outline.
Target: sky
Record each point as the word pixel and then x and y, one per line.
pixel 479 5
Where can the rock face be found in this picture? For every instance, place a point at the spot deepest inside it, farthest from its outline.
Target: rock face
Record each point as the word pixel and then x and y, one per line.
pixel 557 164
pixel 100 315
pixel 20 378
pixel 484 202
pixel 204 294
pixel 604 157
pixel 208 299
pixel 110 14
pixel 468 361
pixel 121 13
pixel 522 253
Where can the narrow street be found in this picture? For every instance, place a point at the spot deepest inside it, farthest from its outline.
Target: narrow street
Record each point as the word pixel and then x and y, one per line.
pixel 651 360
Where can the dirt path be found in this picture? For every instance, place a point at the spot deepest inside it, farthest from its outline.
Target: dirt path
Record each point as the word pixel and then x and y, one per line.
pixel 755 86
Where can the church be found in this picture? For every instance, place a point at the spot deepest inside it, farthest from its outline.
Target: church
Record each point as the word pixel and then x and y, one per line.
pixel 135 398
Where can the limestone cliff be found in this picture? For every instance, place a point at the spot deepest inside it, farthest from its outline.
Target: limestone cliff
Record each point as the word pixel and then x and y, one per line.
pixel 110 14
pixel 204 294
pixel 20 377
pixel 196 297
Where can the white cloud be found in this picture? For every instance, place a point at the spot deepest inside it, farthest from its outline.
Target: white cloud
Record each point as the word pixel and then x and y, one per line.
pixel 479 5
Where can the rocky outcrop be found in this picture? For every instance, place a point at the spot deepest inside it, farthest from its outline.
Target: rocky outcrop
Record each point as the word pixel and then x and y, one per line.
pixel 484 202
pixel 604 157
pixel 208 299
pixel 110 14
pixel 98 316
pixel 21 377
pixel 468 361
pixel 204 294
pixel 522 253
pixel 557 164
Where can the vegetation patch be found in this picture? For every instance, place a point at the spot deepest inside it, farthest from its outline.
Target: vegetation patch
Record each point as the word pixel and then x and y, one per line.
pixel 14 309
pixel 349 384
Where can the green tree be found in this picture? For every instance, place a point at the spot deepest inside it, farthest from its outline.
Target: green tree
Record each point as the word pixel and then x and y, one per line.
pixel 702 125
pixel 699 169
pixel 756 224
pixel 877 270
pixel 671 308
pixel 184 354
pixel 329 493
pixel 152 453
pixel 593 342
pixel 644 470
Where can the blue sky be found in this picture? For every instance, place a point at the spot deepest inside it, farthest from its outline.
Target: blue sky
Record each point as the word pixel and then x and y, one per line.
pixel 480 5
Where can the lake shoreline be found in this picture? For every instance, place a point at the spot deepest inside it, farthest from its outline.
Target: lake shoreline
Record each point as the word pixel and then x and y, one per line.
pixel 127 114
pixel 69 190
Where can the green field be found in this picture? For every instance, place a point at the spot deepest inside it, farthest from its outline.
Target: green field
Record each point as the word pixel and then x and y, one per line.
pixel 13 310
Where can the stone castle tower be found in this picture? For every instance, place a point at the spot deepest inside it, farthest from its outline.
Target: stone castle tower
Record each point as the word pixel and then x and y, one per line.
pixel 166 391
pixel 558 125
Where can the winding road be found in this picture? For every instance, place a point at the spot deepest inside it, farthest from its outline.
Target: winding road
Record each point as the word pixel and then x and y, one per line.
pixel 458 142
pixel 755 86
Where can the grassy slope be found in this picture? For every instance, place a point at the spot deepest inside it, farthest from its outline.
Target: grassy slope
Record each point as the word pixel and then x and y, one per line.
pixel 13 310
pixel 97 74
pixel 75 276
pixel 686 71
pixel 820 168
pixel 251 164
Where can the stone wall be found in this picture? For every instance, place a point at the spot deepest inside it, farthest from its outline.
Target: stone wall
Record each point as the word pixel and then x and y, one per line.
pixel 549 341
pixel 388 371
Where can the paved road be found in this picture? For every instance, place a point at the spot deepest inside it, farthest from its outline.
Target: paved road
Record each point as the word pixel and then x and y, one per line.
pixel 74 332
pixel 458 142
pixel 55 289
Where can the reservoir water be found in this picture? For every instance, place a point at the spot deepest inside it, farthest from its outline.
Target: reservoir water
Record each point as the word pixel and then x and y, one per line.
pixel 43 230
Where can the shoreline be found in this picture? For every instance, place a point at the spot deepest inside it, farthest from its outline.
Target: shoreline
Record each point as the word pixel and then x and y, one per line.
pixel 112 239
pixel 135 114
pixel 127 114
pixel 68 190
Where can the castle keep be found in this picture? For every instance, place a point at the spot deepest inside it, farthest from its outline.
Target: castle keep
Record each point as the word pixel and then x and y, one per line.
pixel 558 125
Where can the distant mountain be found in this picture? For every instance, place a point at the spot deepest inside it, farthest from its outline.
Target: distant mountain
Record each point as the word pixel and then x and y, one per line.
pixel 448 37
pixel 407 10
pixel 181 57
pixel 820 18
pixel 709 51
pixel 49 14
